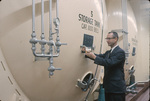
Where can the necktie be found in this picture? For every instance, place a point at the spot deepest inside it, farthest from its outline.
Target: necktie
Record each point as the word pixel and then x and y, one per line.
pixel 109 54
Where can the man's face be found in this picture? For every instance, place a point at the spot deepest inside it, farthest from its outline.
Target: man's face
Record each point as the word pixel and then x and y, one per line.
pixel 111 40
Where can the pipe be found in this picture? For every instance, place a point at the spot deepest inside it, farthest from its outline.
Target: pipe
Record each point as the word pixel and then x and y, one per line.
pixel 33 26
pixel 44 55
pixel 50 39
pixel 42 28
pixel 57 9
pixel 102 28
pixel 42 17
pixel 125 29
pixel 42 42
pixel 33 15
pixel 50 43
pixel 50 20
pixel 57 27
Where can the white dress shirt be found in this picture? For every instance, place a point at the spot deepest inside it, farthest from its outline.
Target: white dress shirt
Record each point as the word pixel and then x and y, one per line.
pixel 113 48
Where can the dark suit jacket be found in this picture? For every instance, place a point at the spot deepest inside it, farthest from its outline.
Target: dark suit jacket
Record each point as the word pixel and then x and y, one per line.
pixel 113 70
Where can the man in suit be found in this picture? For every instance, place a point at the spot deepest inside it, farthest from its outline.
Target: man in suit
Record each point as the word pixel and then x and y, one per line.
pixel 113 62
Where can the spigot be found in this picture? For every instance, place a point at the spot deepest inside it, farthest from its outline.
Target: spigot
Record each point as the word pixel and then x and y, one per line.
pixel 58 44
pixel 51 69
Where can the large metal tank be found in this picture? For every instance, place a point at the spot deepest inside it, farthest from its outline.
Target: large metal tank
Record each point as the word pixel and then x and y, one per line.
pixel 28 80
pixel 24 79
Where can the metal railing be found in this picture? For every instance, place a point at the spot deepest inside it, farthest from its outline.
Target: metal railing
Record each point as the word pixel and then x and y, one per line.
pixel 129 88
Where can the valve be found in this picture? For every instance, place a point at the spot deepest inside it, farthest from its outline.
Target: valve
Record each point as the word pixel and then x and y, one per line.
pixel 33 40
pixel 59 43
pixel 51 69
pixel 56 21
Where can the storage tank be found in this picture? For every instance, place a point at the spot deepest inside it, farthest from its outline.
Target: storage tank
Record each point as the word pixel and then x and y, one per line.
pixel 25 77
pixel 81 24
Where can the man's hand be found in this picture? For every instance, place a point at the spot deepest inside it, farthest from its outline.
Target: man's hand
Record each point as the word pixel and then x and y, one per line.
pixel 91 55
pixel 83 49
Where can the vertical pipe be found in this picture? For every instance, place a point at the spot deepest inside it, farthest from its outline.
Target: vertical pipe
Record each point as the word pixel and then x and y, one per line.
pixel 102 28
pixel 125 28
pixel 57 9
pixel 42 16
pixel 50 38
pixel 50 24
pixel 42 27
pixel 33 26
pixel 33 15
pixel 57 27
pixel 50 19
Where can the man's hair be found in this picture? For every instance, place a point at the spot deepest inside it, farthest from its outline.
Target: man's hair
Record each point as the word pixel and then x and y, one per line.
pixel 115 35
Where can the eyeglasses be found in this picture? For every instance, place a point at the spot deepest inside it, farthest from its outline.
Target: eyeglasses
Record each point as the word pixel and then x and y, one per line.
pixel 109 38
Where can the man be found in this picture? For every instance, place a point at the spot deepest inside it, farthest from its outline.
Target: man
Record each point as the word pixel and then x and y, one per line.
pixel 113 62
